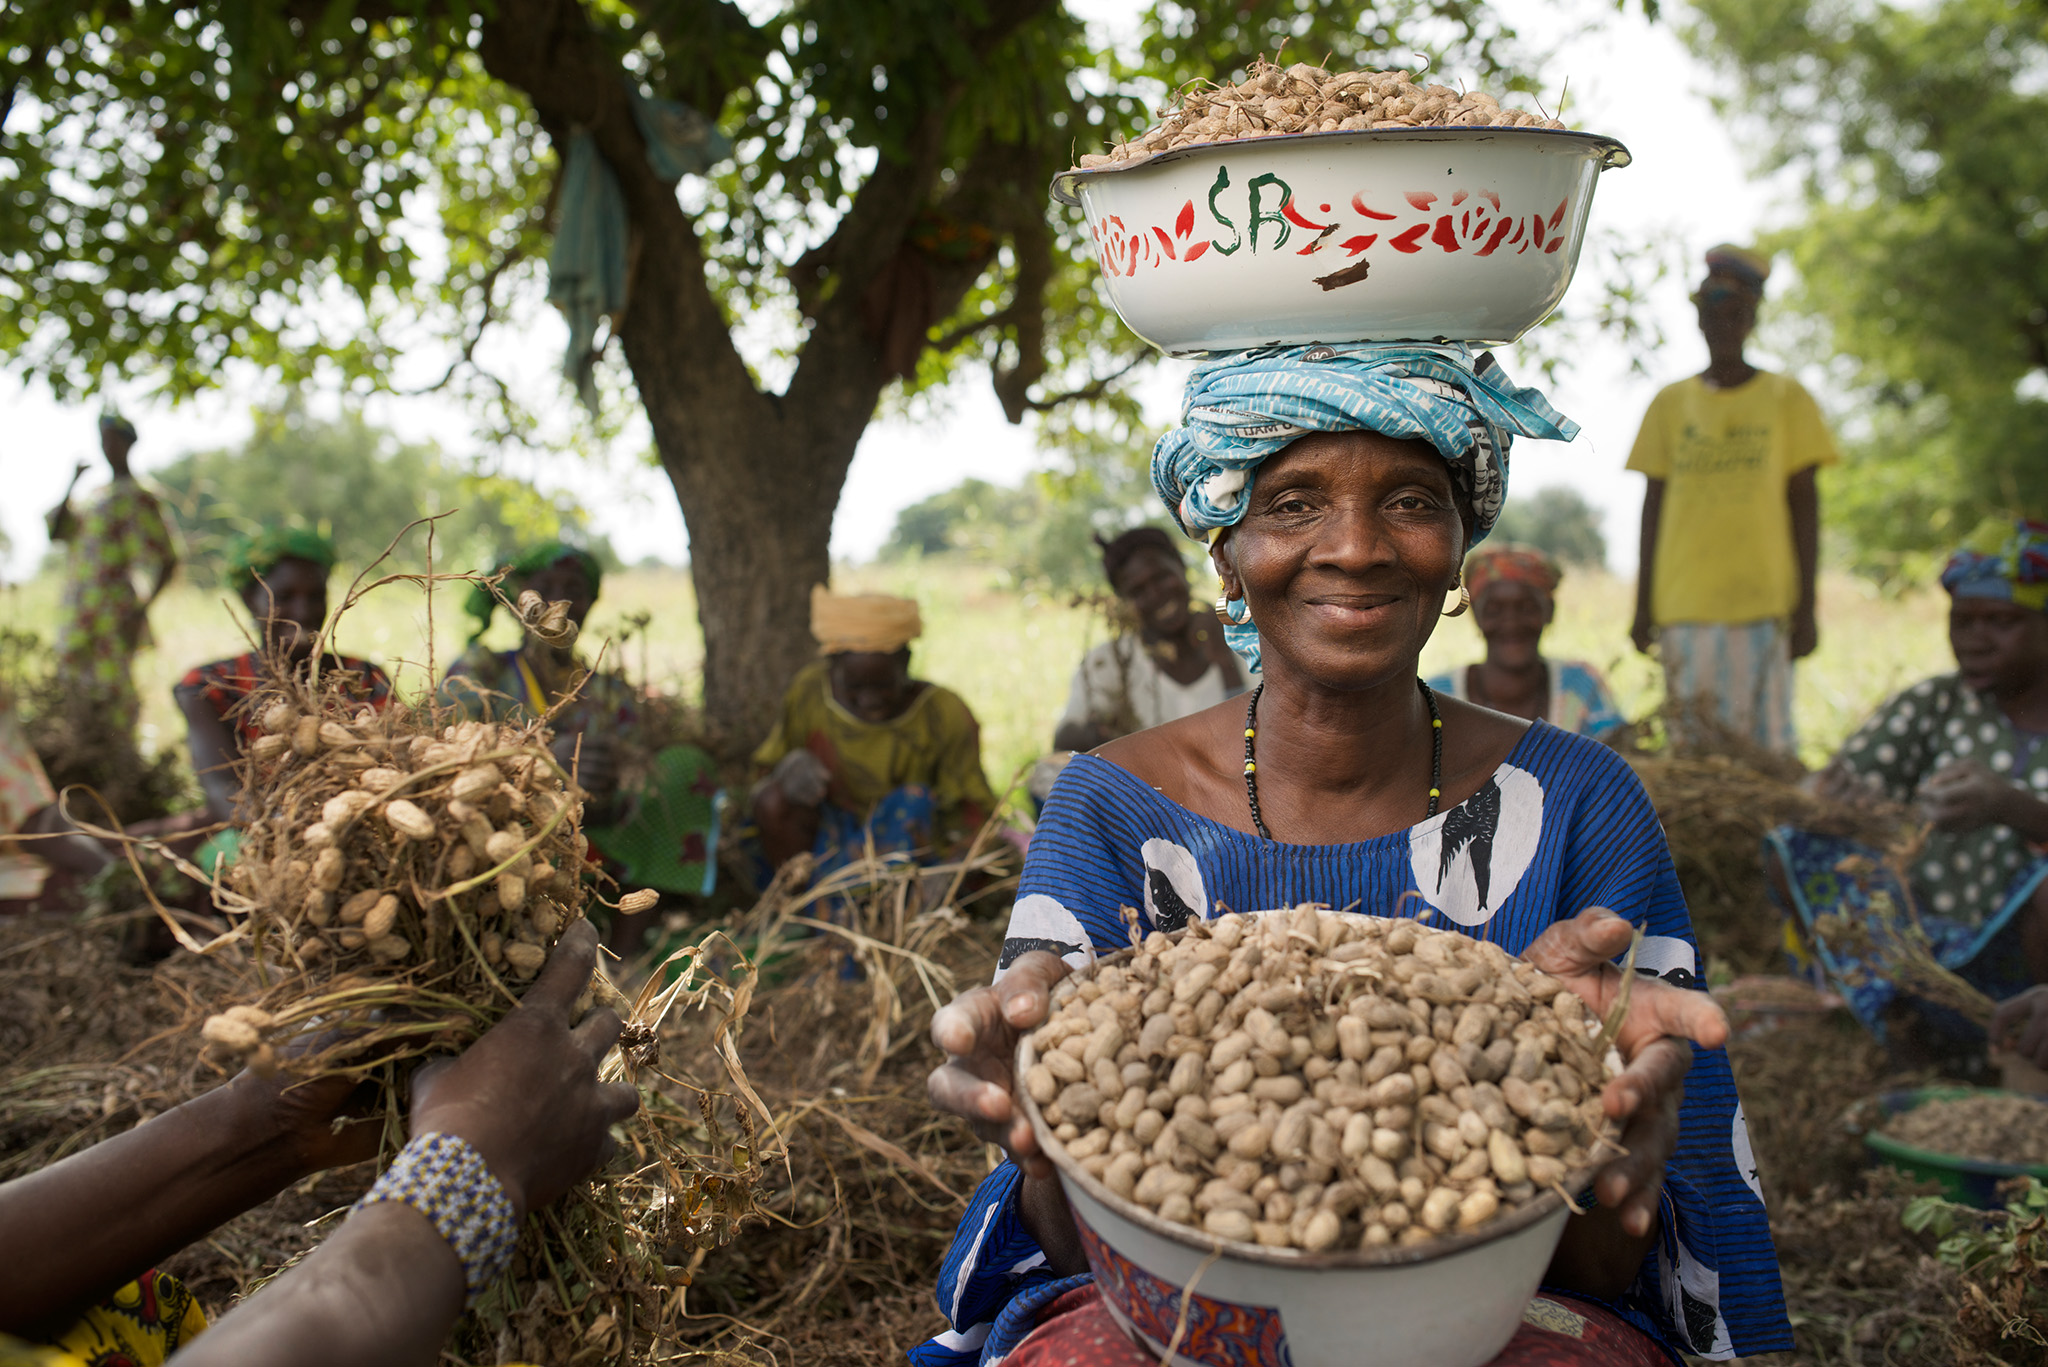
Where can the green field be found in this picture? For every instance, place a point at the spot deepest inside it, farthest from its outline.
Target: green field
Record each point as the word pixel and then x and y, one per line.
pixel 1011 655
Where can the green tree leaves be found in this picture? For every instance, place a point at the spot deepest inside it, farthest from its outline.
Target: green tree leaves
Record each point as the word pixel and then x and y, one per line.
pixel 357 484
pixel 1923 255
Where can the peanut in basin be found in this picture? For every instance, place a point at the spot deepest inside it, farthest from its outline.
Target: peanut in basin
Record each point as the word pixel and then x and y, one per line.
pixel 1313 1080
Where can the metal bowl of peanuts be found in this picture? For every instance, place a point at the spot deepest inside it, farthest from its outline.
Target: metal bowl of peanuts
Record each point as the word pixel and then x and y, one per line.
pixel 1364 207
pixel 1282 1131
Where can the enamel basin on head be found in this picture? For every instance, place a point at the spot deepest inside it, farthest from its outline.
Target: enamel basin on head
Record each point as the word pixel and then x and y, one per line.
pixel 1431 234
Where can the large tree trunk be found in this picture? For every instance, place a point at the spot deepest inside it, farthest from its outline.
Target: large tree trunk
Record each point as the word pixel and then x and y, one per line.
pixel 758 500
pixel 758 475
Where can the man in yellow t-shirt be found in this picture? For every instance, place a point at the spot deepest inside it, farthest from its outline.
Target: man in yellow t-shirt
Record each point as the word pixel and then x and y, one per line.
pixel 1731 521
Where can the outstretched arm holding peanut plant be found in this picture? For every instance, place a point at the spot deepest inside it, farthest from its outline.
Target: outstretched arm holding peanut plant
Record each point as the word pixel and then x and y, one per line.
pixel 388 1286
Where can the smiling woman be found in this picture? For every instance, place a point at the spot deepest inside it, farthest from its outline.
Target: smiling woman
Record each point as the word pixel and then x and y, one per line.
pixel 1343 486
pixel 1174 663
pixel 1971 749
pixel 1513 591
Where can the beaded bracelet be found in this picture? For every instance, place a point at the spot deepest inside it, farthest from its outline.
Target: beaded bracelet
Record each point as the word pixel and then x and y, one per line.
pixel 444 1179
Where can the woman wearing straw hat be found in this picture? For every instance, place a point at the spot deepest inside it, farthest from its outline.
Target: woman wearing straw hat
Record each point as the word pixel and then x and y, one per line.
pixel 1342 486
pixel 864 755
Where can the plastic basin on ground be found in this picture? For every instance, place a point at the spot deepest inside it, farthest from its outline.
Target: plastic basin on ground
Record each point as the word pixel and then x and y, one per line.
pixel 1970 1181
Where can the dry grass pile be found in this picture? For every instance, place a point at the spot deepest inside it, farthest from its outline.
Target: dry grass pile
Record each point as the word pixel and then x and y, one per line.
pixel 68 731
pixel 1716 810
pixel 861 1211
pixel 93 1045
pixel 1876 1271
pixel 98 1046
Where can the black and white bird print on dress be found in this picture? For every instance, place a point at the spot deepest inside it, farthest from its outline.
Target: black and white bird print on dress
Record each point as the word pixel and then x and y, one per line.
pixel 1468 861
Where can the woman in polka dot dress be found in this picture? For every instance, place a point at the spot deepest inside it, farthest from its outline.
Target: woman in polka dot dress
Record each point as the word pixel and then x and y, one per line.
pixel 1970 750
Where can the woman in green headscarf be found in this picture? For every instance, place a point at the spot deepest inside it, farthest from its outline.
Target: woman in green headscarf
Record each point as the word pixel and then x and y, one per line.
pixel 281 575
pixel 652 817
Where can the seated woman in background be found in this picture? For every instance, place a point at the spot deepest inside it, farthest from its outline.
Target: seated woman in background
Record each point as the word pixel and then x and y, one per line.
pixel 651 810
pixel 865 753
pixel 1174 664
pixel 281 575
pixel 1514 597
pixel 1970 748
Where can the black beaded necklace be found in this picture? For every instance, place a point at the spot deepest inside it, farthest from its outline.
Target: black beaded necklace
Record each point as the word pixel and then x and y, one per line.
pixel 1251 765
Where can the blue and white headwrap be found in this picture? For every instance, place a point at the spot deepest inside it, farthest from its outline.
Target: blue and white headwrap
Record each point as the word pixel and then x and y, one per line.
pixel 1242 407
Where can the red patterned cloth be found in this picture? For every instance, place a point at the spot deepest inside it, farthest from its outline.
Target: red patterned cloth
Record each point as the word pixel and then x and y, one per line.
pixel 1511 565
pixel 226 684
pixel 1556 1331
pixel 120 554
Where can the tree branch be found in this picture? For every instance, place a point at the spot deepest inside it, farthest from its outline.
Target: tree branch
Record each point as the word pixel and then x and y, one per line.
pixel 1094 389
pixel 874 228
pixel 1002 317
pixel 547 49
pixel 489 286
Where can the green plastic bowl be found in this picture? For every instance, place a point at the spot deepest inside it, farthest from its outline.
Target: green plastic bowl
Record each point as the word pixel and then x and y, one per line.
pixel 1969 1181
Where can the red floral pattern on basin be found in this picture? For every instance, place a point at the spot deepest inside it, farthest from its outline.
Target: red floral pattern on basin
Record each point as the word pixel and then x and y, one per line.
pixel 1270 220
pixel 1218 1333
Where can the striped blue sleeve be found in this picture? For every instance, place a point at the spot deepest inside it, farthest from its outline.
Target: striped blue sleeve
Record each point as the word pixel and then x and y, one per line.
pixel 991 1261
pixel 1711 1285
pixel 1083 868
pixel 994 1276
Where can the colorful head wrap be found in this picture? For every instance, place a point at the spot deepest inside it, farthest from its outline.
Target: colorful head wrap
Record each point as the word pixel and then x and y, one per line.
pixel 1511 565
pixel 862 622
pixel 2004 560
pixel 252 557
pixel 1245 406
pixel 1118 551
pixel 483 604
pixel 1750 267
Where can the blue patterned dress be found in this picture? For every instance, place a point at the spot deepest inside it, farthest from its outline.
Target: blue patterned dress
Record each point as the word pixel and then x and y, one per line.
pixel 1562 825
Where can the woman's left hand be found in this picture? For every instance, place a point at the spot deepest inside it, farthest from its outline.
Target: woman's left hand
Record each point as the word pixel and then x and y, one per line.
pixel 327 1122
pixel 1964 796
pixel 1655 1050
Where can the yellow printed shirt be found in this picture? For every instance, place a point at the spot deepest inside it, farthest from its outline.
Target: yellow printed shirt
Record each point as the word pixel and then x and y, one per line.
pixel 1724 537
pixel 935 742
pixel 140 1325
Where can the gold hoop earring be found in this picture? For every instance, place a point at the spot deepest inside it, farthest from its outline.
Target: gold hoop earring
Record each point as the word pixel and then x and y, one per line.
pixel 1464 600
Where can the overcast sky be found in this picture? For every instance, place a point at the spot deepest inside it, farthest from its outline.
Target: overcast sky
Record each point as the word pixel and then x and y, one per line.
pixel 1627 78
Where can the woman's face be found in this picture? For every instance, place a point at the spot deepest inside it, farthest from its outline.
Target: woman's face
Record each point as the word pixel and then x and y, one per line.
pixel 1348 545
pixel 872 685
pixel 2000 648
pixel 289 602
pixel 1511 616
pixel 1155 584
pixel 564 581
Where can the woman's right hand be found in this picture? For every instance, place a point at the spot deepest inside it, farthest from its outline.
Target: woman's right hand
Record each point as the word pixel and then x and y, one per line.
pixel 978 1032
pixel 2020 1025
pixel 526 1096
pixel 803 778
